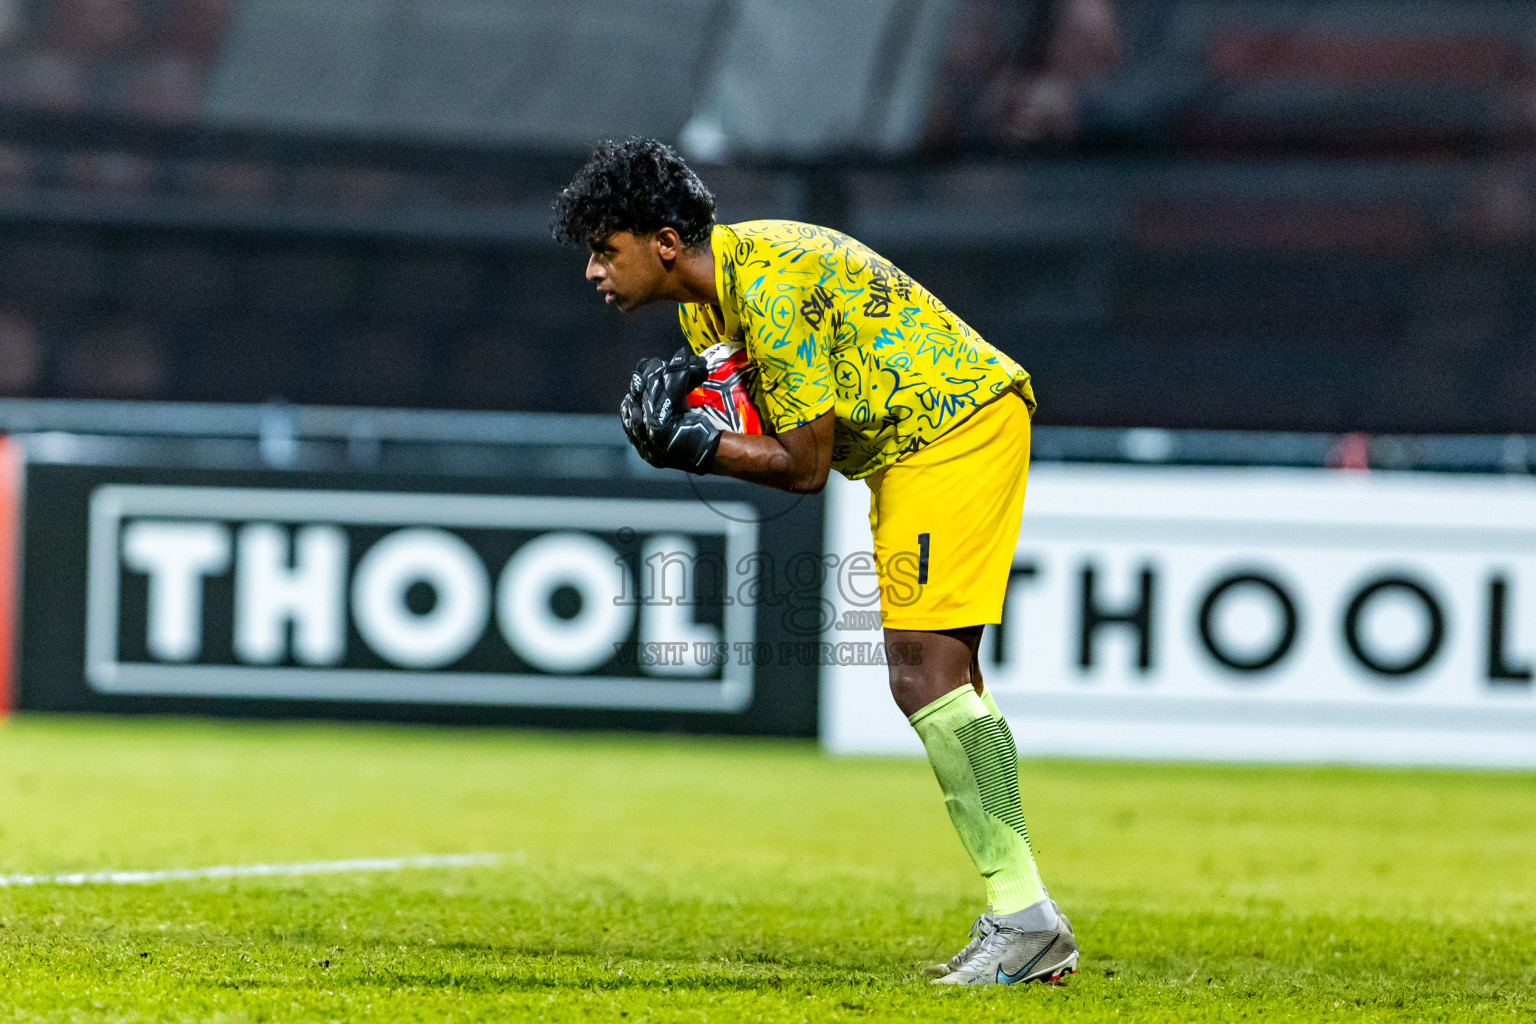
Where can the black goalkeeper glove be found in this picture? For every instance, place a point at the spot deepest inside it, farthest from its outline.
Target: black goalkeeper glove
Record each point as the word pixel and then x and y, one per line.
pixel 669 435
pixel 687 442
pixel 631 414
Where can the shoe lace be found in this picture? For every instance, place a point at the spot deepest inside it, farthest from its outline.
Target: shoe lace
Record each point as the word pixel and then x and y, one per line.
pixel 981 929
pixel 987 946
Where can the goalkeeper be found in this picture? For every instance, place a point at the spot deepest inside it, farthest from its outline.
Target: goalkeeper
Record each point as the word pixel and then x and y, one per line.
pixel 863 371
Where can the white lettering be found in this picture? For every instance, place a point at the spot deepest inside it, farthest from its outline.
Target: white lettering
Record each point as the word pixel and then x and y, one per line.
pixel 528 619
pixel 175 557
pixel 433 638
pixel 269 595
pixel 663 620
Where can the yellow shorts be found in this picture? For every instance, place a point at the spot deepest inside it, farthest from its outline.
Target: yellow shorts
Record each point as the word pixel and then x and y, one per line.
pixel 946 521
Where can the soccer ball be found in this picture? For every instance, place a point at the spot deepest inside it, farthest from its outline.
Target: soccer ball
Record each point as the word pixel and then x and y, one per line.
pixel 725 398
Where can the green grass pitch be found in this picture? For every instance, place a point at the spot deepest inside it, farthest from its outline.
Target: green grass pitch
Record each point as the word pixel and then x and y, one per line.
pixel 665 878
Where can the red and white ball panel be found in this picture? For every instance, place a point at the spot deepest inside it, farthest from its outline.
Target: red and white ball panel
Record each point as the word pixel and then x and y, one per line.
pixel 726 396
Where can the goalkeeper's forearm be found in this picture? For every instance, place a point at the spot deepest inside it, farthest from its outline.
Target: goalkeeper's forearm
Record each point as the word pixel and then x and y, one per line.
pixel 796 461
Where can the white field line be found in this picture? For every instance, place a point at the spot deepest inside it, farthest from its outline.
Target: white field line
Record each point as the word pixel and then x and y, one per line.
pixel 314 867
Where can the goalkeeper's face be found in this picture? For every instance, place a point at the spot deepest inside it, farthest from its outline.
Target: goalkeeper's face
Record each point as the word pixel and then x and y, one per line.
pixel 629 270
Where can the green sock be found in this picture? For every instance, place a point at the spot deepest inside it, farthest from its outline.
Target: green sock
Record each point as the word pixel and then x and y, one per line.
pixel 976 763
pixel 997 714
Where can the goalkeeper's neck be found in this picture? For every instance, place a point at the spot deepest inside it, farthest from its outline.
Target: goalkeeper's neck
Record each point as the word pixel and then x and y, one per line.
pixel 692 276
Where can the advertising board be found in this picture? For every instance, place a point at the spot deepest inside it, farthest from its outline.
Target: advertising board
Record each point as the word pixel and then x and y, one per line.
pixel 610 603
pixel 1247 614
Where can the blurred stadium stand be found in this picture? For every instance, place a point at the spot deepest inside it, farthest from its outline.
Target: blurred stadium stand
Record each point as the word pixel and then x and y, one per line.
pixel 1263 214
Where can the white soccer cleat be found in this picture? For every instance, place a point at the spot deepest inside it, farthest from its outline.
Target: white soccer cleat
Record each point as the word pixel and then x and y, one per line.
pixel 1034 944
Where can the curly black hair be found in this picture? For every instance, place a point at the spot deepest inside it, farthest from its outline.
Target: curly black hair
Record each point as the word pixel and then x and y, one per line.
pixel 637 185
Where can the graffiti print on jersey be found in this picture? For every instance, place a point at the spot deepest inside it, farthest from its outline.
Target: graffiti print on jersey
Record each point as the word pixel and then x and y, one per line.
pixel 831 325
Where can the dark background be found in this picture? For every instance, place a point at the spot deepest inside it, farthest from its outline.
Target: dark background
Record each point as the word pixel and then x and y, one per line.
pixel 1300 215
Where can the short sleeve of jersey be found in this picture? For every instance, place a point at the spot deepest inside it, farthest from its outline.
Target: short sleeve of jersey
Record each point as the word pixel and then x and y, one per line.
pixel 788 327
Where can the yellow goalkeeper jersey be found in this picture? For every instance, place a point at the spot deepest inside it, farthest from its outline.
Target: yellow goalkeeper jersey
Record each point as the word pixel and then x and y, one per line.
pixel 830 324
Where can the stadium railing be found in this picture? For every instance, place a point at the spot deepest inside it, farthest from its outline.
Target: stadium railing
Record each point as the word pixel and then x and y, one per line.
pixel 278 435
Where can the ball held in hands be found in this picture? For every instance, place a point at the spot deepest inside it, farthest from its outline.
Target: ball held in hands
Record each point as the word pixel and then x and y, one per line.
pixel 656 417
pixel 725 394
